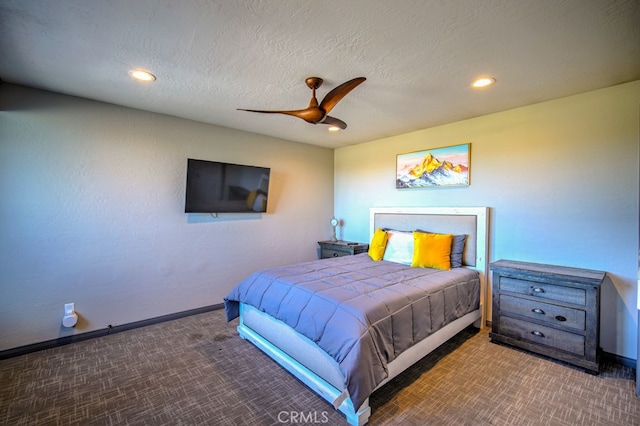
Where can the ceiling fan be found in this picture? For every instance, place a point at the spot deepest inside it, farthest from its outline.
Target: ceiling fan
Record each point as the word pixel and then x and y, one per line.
pixel 318 113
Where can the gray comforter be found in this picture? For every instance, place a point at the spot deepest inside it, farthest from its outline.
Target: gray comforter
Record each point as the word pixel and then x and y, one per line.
pixel 362 313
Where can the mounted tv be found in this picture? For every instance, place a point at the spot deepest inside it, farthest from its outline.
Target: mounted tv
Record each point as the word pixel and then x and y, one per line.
pixel 216 187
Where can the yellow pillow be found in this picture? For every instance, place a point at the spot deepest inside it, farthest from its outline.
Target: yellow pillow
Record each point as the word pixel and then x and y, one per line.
pixel 431 251
pixel 378 244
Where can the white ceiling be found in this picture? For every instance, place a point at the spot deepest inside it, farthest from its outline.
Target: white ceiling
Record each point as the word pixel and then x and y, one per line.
pixel 419 57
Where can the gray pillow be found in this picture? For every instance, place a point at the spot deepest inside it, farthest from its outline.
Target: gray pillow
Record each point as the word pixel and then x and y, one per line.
pixel 457 250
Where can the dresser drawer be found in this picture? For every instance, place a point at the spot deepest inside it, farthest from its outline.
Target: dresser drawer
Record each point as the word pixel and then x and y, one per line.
pixel 539 334
pixel 575 296
pixel 550 314
pixel 333 253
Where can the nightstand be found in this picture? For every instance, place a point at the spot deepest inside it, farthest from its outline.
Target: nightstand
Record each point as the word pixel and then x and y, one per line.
pixel 341 248
pixel 547 309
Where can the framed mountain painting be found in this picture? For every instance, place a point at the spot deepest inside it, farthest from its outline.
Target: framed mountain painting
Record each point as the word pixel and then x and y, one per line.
pixel 448 166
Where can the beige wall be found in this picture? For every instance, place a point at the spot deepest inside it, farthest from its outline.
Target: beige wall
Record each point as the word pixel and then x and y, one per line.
pixel 92 212
pixel 560 177
pixel 93 198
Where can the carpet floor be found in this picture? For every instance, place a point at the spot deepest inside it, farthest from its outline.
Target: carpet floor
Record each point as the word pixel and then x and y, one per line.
pixel 198 371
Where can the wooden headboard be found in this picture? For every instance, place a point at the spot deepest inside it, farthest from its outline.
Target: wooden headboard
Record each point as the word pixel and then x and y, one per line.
pixel 471 221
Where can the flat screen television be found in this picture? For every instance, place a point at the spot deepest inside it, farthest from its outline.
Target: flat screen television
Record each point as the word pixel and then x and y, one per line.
pixel 216 187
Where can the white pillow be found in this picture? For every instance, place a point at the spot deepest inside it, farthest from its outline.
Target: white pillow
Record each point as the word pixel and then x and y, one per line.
pixel 399 247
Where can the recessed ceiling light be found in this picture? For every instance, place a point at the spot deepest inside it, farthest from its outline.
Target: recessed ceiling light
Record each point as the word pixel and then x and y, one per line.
pixel 483 82
pixel 142 75
pixel 333 128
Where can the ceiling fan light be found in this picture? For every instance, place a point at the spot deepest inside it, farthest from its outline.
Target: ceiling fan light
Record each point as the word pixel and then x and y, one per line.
pixel 483 82
pixel 142 75
pixel 333 128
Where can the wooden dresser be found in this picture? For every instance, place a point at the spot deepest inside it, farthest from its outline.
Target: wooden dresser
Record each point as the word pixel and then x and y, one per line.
pixel 547 309
pixel 341 248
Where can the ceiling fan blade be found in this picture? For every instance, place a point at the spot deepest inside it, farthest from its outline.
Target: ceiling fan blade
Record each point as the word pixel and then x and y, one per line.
pixel 334 96
pixel 272 112
pixel 332 121
pixel 310 115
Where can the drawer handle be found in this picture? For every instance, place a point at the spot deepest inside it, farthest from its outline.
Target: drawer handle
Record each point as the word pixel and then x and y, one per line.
pixel 560 318
pixel 537 333
pixel 538 290
pixel 538 311
pixel 335 254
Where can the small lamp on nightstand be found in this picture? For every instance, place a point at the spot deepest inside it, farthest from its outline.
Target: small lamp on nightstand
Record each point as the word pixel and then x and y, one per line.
pixel 334 224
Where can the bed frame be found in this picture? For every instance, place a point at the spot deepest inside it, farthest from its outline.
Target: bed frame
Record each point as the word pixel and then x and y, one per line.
pixel 302 358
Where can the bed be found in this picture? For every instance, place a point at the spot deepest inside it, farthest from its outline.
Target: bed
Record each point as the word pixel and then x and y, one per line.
pixel 346 326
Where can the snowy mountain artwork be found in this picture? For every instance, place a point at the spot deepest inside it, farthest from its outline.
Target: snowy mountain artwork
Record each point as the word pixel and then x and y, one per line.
pixel 434 167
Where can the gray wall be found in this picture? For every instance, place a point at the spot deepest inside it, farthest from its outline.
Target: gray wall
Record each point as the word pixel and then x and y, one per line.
pixel 92 212
pixel 560 177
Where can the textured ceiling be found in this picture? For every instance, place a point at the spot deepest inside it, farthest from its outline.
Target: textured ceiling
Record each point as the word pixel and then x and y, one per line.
pixel 419 57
